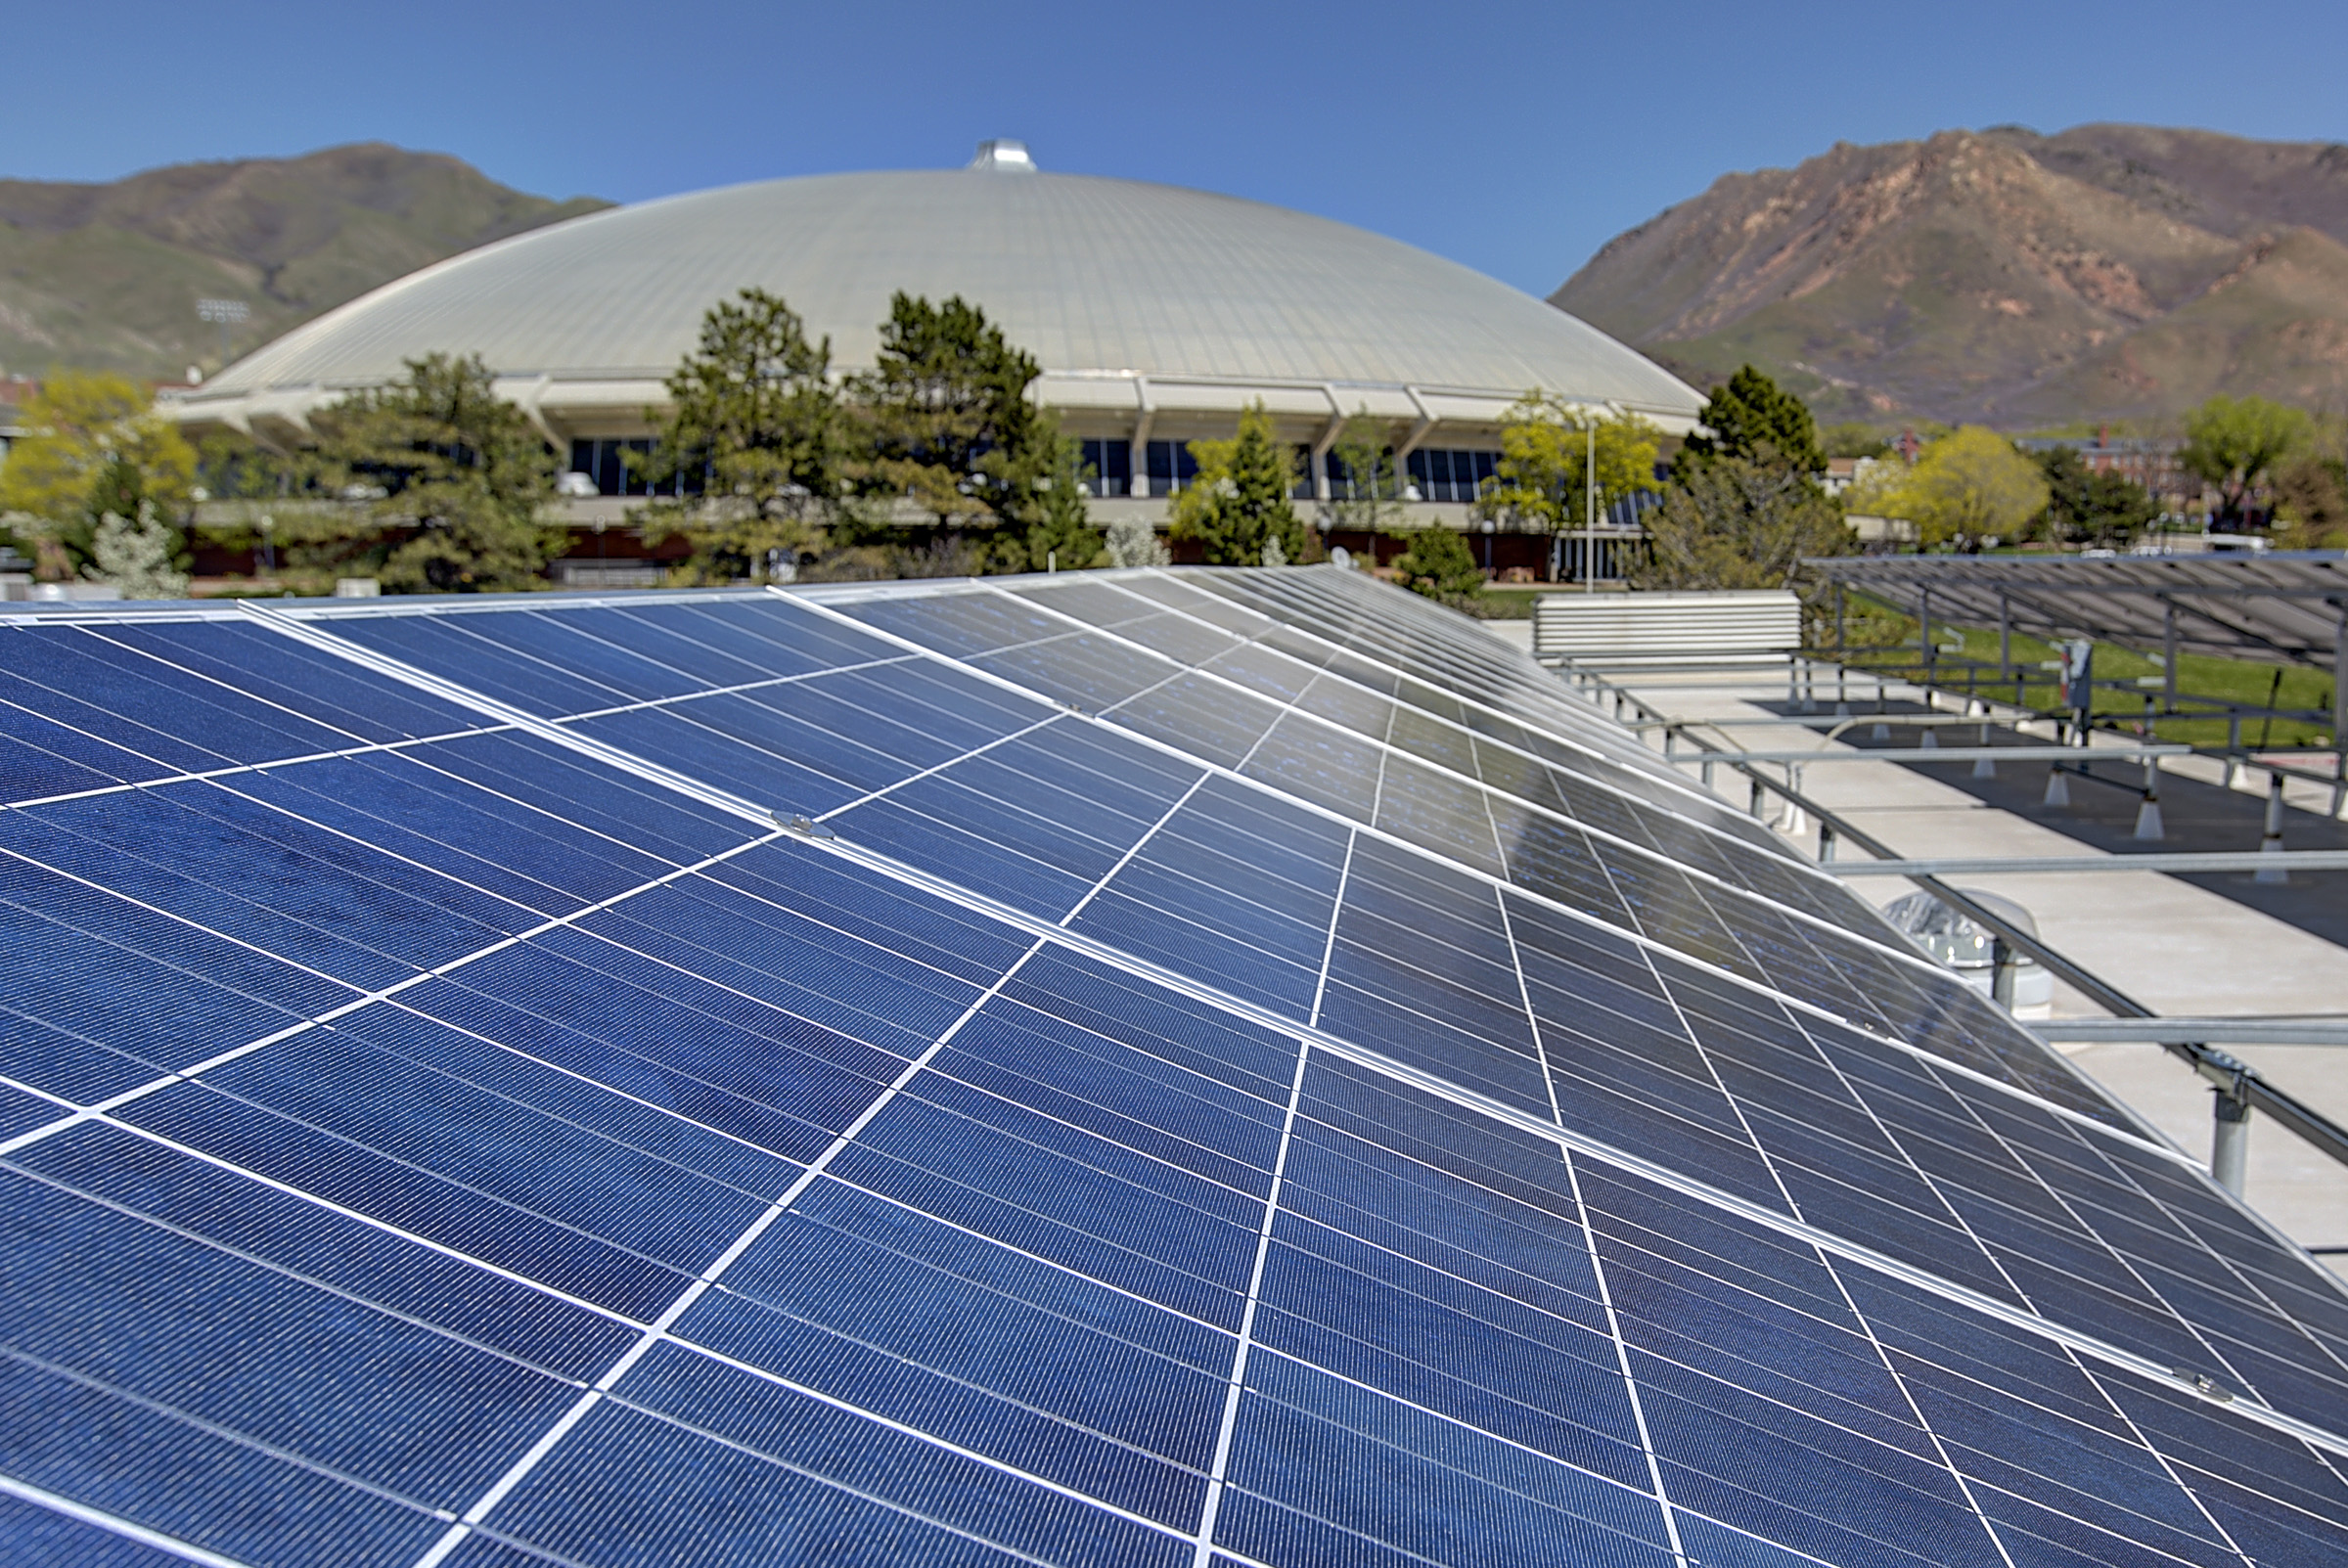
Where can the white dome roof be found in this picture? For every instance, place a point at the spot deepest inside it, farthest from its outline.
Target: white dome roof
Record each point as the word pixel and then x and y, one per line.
pixel 1095 277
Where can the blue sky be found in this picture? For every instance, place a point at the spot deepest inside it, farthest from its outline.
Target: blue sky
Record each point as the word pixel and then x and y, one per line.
pixel 1516 137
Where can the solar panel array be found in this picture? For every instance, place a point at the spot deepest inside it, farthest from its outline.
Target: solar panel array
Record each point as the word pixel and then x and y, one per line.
pixel 1171 1067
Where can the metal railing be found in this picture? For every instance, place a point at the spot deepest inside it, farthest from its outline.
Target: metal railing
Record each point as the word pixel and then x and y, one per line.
pixel 2237 1087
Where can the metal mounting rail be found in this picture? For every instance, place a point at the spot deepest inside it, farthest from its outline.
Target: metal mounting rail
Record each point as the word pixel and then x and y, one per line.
pixel 2023 753
pixel 2240 1088
pixel 2177 1030
pixel 2247 859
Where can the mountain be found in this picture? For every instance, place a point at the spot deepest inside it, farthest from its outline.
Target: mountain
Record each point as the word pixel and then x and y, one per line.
pixel 2003 277
pixel 107 276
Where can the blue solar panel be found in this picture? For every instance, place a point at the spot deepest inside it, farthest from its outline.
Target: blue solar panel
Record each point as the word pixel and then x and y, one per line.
pixel 1323 1100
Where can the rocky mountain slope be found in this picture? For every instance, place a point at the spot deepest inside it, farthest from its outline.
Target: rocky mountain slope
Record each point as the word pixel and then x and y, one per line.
pixel 2004 277
pixel 107 276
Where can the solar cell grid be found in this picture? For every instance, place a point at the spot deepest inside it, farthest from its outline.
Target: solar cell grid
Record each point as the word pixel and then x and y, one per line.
pixel 1153 1168
pixel 1353 703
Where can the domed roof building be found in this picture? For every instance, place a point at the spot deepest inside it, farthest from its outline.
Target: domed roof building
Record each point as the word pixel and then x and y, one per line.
pixel 1157 312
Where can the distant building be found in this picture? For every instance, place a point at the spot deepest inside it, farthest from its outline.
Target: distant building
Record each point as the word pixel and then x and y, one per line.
pixel 1157 314
pixel 2152 463
pixel 16 391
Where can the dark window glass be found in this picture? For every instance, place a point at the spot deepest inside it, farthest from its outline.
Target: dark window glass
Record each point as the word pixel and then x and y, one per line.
pixel 1111 463
pixel 1171 467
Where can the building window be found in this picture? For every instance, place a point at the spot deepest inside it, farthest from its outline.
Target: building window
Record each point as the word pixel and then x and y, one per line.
pixel 1171 467
pixel 1111 463
pixel 1342 483
pixel 1444 474
pixel 605 463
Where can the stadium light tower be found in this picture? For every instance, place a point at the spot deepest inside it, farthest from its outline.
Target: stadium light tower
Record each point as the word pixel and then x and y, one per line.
pixel 225 313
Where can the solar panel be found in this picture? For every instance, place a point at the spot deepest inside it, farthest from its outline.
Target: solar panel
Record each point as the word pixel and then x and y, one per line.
pixel 1187 1067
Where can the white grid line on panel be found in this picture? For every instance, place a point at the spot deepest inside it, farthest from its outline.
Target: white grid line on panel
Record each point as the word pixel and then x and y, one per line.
pixel 1622 1362
pixel 1052 1265
pixel 1387 747
pixel 1778 856
pixel 311 1281
pixel 1905 1048
pixel 740 689
pixel 2095 1238
pixel 449 690
pixel 604 1312
pixel 1383 658
pixel 1328 947
pixel 24 1491
pixel 554 616
pixel 1998 1393
pixel 412 1237
pixel 833 1483
pixel 1221 1469
pixel 1915 1409
pixel 1809 1235
pixel 116 1101
pixel 936 768
pixel 1919 1052
pixel 215 1429
pixel 657 1330
pixel 1777 1304
pixel 209 775
pixel 1793 1206
pixel 1138 845
pixel 1580 917
pixel 1476 737
pixel 214 680
pixel 1597 1267
pixel 893 1202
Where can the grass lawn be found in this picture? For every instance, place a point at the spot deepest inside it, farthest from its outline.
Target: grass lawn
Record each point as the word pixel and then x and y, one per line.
pixel 2198 675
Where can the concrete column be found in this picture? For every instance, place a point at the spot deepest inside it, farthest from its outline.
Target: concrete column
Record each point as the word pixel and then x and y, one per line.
pixel 2229 1139
pixel 2272 842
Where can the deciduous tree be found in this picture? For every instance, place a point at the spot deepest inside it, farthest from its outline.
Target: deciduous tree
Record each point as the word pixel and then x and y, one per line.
pixel 1548 448
pixel 1370 498
pixel 1238 509
pixel 1131 542
pixel 2236 443
pixel 95 445
pixel 137 554
pixel 752 443
pixel 1439 565
pixel 1737 522
pixel 2310 495
pixel 1969 487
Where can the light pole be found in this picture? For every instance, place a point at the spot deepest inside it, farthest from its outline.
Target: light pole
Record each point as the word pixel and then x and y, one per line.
pixel 223 313
pixel 1590 507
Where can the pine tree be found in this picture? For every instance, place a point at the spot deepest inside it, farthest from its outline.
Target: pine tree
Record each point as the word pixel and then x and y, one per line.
pixel 1751 412
pixel 755 427
pixel 1239 503
pixel 440 458
pixel 1060 535
pixel 945 422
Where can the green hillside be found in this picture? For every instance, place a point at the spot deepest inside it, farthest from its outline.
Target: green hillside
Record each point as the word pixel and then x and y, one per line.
pixel 107 276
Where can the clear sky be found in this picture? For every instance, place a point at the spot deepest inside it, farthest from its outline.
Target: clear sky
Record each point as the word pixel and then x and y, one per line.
pixel 1512 135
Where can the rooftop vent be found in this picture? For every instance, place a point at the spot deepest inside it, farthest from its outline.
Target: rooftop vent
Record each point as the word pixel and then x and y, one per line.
pixel 1006 156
